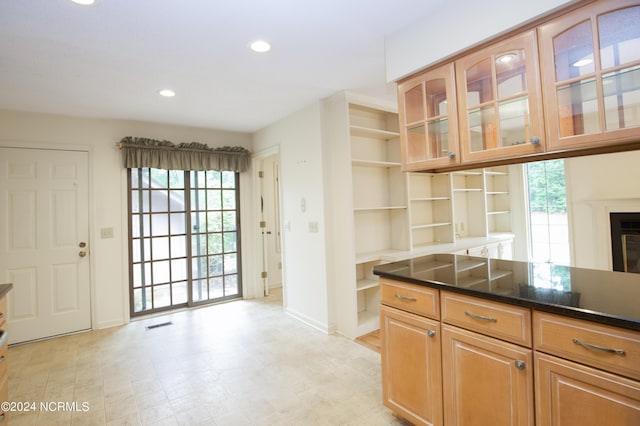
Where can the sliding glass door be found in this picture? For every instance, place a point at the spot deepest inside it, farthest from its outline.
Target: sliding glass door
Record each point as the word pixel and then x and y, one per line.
pixel 184 238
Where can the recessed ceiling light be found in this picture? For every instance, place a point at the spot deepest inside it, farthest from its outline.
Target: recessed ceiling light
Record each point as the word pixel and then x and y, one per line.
pixel 167 93
pixel 84 2
pixel 260 46
pixel 582 62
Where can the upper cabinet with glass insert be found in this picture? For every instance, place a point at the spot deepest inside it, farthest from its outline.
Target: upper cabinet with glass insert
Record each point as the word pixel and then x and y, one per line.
pixel 591 73
pixel 428 121
pixel 499 102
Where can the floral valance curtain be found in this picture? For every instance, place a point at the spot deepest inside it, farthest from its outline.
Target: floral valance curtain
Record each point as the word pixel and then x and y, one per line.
pixel 142 152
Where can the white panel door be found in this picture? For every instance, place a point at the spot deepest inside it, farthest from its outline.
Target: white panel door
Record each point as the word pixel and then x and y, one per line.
pixel 44 222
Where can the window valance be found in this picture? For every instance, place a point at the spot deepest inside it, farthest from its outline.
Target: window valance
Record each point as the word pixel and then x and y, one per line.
pixel 143 152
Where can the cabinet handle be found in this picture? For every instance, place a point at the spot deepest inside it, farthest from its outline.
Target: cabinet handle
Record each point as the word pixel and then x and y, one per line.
pixel 410 299
pixel 480 317
pixel 451 155
pixel 535 140
pixel 620 352
pixel 520 365
pixel 431 333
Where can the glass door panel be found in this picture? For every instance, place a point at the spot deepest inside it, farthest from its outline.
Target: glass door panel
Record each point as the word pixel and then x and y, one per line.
pixel 619 36
pixel 573 52
pixel 594 95
pixel 429 120
pixel 622 99
pixel 514 122
pixel 578 108
pixel 414 104
pixel 439 138
pixel 511 74
pixel 184 238
pixel 479 83
pixel 482 128
pixel 500 93
pixel 416 144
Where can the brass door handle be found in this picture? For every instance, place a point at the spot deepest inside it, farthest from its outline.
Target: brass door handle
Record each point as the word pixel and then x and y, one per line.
pixel 82 254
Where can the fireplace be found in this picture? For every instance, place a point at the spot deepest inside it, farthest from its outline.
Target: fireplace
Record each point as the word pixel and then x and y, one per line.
pixel 625 241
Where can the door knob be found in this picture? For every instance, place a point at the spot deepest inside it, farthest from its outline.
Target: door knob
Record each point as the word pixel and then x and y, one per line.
pixel 82 244
pixel 82 254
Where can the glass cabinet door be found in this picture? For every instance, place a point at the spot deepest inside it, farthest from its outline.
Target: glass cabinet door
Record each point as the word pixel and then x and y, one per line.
pixel 591 68
pixel 499 101
pixel 428 121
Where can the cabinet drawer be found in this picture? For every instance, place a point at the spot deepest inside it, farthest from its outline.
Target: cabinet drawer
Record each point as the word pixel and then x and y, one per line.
pixel 608 348
pixel 412 298
pixel 500 320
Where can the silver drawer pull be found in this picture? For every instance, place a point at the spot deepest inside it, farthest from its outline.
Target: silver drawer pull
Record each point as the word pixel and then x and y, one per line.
pixel 410 299
pixel 520 365
pixel 620 352
pixel 480 317
pixel 431 333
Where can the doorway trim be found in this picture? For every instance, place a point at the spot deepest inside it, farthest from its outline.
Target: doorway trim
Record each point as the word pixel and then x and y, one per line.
pixel 258 159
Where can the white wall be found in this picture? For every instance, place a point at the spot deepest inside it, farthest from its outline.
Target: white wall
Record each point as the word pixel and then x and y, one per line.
pixel 299 140
pixel 455 26
pixel 108 191
pixel 596 186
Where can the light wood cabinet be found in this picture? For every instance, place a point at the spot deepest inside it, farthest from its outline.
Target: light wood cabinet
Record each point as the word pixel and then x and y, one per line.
pixel 585 373
pixel 428 120
pixel 591 75
pixel 499 102
pixel 569 393
pixel 485 381
pixel 564 85
pixel 463 377
pixel 412 377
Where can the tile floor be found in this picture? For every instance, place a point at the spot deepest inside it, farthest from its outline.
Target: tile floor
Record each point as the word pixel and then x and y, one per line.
pixel 239 363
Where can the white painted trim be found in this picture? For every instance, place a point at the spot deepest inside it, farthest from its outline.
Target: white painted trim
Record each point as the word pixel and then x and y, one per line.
pixel 325 328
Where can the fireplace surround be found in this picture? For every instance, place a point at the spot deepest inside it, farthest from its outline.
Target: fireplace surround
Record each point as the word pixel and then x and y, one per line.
pixel 625 241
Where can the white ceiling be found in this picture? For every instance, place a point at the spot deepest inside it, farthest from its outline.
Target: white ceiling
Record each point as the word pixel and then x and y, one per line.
pixel 110 60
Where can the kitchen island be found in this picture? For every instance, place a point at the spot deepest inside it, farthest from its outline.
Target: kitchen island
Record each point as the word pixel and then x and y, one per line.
pixel 471 339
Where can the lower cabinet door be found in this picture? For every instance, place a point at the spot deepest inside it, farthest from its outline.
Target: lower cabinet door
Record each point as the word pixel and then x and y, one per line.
pixel 485 381
pixel 573 394
pixel 411 366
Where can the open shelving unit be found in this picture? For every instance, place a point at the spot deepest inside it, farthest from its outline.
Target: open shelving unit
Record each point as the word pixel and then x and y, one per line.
pixel 381 214
pixel 379 202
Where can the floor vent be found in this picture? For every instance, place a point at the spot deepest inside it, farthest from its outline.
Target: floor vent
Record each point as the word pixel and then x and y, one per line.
pixel 162 324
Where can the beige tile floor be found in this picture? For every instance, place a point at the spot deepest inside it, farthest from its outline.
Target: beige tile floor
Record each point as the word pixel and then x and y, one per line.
pixel 239 363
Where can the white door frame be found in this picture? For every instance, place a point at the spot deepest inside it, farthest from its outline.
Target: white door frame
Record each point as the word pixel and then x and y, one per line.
pixel 259 249
pixel 92 236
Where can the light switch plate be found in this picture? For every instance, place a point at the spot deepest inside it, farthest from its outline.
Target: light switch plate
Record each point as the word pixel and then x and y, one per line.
pixel 106 233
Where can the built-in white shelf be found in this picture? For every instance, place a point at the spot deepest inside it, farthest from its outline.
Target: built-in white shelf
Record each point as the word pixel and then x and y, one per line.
pixel 368 132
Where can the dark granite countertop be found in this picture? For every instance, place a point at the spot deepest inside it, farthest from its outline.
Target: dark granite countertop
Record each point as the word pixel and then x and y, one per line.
pixel 4 289
pixel 606 297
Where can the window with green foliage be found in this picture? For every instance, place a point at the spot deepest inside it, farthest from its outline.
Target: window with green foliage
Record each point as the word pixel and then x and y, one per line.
pixel 184 244
pixel 549 224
